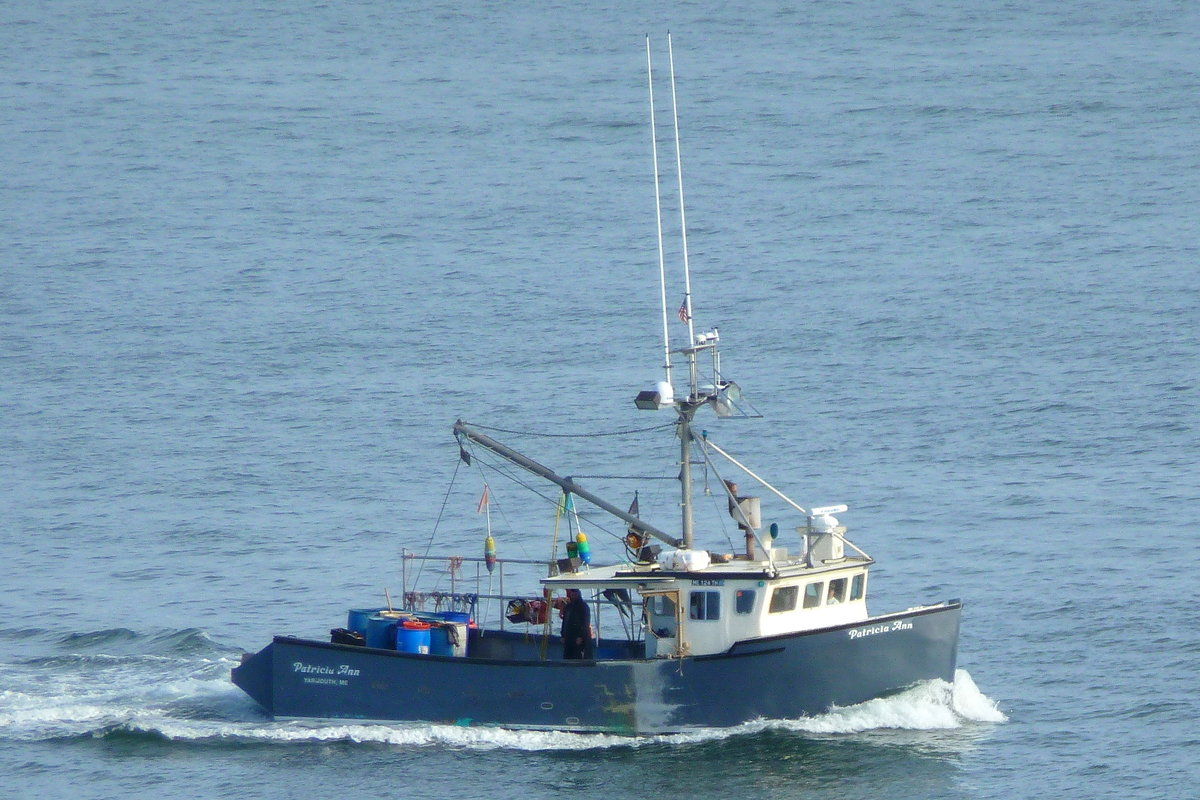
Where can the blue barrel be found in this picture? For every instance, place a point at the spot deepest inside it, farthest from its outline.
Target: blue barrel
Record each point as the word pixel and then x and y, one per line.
pixel 412 637
pixel 448 639
pixel 381 632
pixel 439 641
pixel 356 620
pixel 459 617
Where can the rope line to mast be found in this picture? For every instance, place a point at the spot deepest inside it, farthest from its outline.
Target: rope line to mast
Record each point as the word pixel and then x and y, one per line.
pixel 437 522
pixel 493 501
pixel 628 432
pixel 554 500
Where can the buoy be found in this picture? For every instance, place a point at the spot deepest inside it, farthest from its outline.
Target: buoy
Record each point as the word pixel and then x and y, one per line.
pixel 582 548
pixel 489 553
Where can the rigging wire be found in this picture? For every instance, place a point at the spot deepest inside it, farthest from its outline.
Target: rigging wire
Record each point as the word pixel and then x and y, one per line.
pixel 554 499
pixel 480 463
pixel 512 476
pixel 628 432
pixel 724 521
pixel 499 506
pixel 626 477
pixel 446 499
pixel 437 522
pixel 550 500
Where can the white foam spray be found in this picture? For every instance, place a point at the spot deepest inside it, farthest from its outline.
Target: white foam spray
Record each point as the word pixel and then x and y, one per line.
pixel 194 702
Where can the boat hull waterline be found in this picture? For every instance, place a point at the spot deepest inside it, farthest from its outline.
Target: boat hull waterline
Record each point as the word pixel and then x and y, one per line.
pixel 781 677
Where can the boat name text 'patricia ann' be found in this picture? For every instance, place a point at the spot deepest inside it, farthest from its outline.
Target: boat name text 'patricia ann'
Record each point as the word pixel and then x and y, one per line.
pixel 344 670
pixel 896 625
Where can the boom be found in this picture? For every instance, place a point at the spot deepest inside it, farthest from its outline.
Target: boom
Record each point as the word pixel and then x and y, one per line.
pixel 567 484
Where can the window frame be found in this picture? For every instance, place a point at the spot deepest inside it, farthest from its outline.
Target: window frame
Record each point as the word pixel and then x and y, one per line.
pixel 709 607
pixel 784 594
pixel 738 595
pixel 662 606
pixel 817 596
pixel 840 596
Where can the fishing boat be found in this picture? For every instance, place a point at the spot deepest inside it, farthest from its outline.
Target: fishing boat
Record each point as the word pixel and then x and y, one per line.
pixel 774 627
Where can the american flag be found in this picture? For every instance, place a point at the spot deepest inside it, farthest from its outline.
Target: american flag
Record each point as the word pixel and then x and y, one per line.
pixel 683 310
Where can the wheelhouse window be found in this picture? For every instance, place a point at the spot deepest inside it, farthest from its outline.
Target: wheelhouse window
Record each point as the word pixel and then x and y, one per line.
pixel 744 601
pixel 705 605
pixel 812 594
pixel 661 606
pixel 784 599
pixel 837 591
pixel 857 584
pixel 662 615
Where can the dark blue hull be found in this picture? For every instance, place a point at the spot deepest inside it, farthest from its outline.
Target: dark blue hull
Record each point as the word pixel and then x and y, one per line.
pixel 503 683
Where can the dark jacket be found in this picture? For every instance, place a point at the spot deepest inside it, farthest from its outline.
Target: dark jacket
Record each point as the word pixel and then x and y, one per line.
pixel 577 630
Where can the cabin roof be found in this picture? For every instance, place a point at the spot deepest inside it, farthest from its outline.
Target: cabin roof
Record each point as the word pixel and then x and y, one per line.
pixel 654 577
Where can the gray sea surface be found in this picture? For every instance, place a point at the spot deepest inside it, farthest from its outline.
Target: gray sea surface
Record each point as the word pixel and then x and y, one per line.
pixel 256 258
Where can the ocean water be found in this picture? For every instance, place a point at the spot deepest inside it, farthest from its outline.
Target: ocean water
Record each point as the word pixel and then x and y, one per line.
pixel 256 259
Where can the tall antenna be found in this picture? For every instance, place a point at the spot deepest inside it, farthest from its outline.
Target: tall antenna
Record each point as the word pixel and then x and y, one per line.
pixel 687 275
pixel 662 269
pixel 686 411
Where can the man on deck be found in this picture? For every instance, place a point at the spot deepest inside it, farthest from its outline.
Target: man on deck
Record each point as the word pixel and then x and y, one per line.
pixel 576 627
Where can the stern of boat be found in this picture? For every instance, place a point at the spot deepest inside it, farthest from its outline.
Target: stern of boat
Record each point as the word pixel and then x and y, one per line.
pixel 254 676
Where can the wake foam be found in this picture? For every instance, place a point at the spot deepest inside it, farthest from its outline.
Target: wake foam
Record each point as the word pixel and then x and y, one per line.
pixel 111 678
pixel 191 700
pixel 932 705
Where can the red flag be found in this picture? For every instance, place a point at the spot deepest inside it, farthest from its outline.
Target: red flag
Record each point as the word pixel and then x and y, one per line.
pixel 483 501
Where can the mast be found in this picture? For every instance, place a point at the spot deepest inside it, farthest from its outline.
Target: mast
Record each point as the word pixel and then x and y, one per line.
pixel 687 407
pixel 686 411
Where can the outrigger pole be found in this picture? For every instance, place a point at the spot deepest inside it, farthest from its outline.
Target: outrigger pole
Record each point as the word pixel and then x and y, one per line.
pixel 662 268
pixel 567 484
pixel 686 408
pixel 687 275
